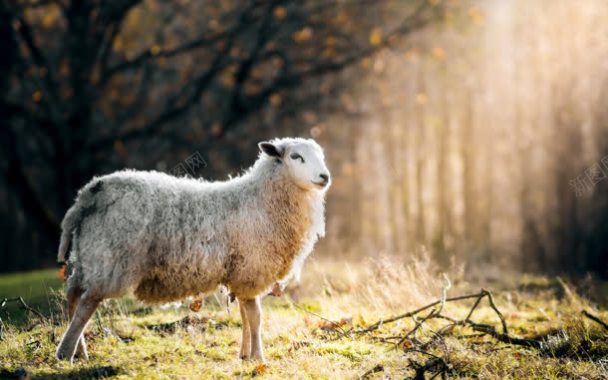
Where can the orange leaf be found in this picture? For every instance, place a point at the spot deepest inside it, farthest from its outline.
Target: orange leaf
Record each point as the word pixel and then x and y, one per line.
pixel 259 369
pixel 196 304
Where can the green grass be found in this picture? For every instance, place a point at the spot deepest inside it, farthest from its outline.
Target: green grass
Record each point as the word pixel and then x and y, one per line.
pixel 34 287
pixel 128 340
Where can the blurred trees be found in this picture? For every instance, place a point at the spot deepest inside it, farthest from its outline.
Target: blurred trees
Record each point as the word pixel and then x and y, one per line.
pixel 93 86
pixel 486 140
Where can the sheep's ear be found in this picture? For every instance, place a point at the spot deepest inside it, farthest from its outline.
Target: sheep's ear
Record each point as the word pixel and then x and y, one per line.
pixel 270 149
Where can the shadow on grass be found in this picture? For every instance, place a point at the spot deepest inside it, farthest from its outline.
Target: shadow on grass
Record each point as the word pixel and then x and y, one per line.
pixel 83 373
pixel 589 288
pixel 572 344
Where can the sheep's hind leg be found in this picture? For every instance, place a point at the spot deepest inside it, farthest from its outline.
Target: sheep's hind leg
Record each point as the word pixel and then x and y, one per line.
pixel 246 340
pixel 73 336
pixel 254 317
pixel 73 296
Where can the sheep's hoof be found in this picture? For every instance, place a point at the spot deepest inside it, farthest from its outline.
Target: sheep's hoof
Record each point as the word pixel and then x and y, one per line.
pixel 63 354
pixel 81 355
pixel 245 353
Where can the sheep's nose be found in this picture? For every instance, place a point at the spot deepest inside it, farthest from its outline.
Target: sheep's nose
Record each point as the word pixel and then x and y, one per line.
pixel 324 177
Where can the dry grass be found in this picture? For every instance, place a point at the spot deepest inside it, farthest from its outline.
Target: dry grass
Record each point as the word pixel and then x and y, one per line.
pixel 127 340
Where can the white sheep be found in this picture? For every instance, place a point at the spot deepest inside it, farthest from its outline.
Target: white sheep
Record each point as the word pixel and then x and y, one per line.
pixel 167 238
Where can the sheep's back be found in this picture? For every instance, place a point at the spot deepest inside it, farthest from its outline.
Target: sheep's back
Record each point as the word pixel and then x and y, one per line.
pixel 142 232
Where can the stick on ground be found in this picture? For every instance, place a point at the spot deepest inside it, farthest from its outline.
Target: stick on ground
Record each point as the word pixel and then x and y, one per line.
pixel 596 319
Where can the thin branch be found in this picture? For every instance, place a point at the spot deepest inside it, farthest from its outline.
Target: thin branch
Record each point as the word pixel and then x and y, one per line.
pixel 2 328
pixel 596 319
pixel 163 53
pixel 435 364
pixel 493 306
pixel 245 106
pixel 105 47
pixel 505 338
pixel 237 103
pixel 23 305
pixel 27 37
pixel 371 371
pixel 177 105
pixel 26 34
pixel 477 301
pixel 332 323
pixel 444 292
pixel 381 322
pixel 432 314
pixel 289 80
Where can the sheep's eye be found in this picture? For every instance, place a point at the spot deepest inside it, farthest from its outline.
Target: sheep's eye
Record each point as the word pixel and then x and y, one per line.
pixel 295 156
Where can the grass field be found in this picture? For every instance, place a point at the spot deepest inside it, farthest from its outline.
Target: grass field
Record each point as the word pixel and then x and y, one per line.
pixel 34 287
pixel 127 339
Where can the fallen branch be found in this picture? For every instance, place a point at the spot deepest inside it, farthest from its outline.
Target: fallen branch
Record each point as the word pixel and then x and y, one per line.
pixel 438 365
pixel 493 306
pixel 368 373
pixel 335 324
pixel 595 319
pixel 435 313
pixel 23 305
pixel 435 364
pixel 504 338
pixel 477 296
pixel 432 314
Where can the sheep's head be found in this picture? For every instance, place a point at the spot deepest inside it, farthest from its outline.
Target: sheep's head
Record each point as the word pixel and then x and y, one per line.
pixel 303 160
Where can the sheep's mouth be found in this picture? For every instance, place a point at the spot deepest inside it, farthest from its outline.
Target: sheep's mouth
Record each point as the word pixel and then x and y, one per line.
pixel 320 184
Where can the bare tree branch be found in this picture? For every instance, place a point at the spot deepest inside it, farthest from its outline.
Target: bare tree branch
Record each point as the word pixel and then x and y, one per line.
pixel 25 32
pixel 290 80
pixel 167 53
pixel 181 101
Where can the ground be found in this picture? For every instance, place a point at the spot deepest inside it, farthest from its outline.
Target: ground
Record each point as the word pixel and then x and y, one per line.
pixel 317 330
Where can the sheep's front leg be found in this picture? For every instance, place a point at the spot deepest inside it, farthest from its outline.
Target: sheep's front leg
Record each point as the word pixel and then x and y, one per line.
pixel 85 309
pixel 73 296
pixel 254 317
pixel 246 341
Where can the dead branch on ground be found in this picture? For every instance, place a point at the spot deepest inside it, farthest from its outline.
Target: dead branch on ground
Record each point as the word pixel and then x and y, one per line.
pixel 368 373
pixel 23 305
pixel 477 296
pixel 595 319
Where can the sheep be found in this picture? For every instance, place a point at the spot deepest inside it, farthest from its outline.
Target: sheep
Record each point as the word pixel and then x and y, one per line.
pixel 165 238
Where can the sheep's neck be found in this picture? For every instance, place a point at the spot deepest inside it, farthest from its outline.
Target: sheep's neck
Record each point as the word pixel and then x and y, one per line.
pixel 288 207
pixel 268 256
